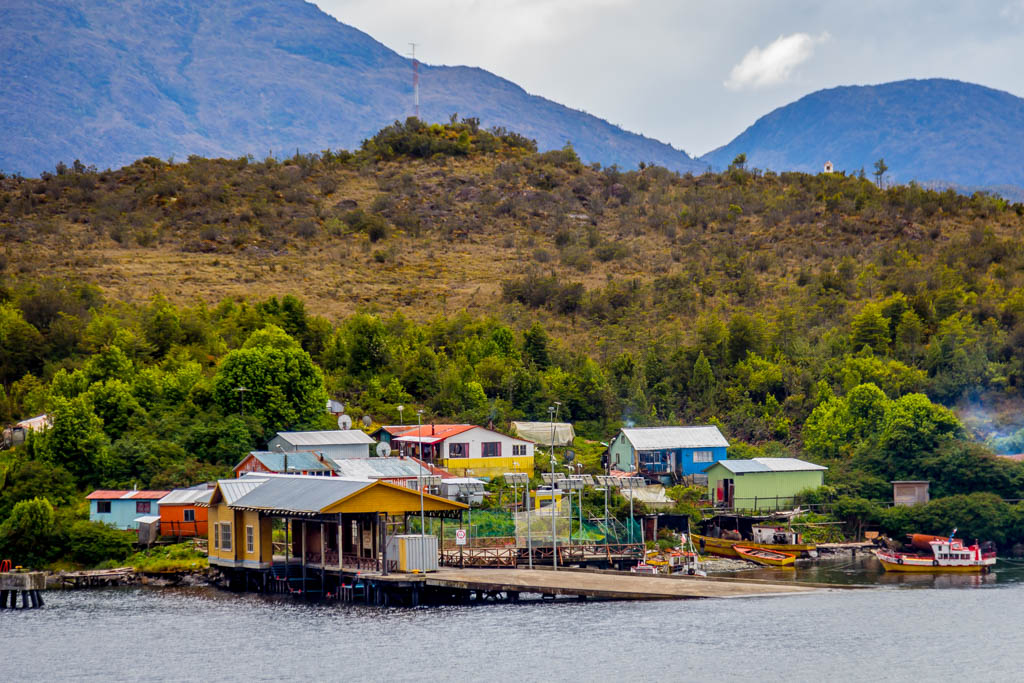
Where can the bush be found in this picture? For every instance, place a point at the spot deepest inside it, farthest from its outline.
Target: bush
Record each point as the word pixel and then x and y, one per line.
pixel 90 543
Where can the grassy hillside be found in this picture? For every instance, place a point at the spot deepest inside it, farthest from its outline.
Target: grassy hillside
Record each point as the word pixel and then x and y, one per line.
pixel 459 271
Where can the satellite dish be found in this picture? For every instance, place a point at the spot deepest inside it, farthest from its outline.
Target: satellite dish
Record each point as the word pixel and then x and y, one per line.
pixel 367 421
pixel 344 422
pixel 570 455
pixel 383 449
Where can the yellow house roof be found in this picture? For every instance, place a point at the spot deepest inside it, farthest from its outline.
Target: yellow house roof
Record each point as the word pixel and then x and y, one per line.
pixel 392 499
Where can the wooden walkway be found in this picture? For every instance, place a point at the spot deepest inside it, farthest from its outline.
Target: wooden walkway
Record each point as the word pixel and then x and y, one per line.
pixel 596 585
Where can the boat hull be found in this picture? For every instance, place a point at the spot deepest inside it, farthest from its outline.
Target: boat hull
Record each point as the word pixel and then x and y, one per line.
pixel 929 568
pixel 769 558
pixel 725 547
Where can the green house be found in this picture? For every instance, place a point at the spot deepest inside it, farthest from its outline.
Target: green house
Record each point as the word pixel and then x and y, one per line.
pixel 761 483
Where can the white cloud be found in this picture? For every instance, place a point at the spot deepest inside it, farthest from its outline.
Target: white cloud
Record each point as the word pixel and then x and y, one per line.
pixel 775 63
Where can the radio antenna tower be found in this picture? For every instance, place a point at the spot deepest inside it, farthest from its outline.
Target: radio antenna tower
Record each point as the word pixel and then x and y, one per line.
pixel 415 80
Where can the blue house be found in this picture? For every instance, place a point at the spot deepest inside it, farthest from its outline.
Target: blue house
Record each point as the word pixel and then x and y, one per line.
pixel 123 508
pixel 666 454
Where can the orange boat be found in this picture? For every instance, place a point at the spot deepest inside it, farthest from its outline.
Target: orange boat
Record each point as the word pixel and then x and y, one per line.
pixel 769 558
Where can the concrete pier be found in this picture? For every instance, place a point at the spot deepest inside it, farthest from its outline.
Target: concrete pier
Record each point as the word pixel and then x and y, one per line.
pixel 27 584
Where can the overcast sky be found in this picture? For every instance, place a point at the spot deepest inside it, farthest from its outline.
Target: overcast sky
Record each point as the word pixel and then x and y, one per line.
pixel 696 74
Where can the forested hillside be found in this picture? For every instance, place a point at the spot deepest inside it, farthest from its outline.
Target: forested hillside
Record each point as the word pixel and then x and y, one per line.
pixel 446 267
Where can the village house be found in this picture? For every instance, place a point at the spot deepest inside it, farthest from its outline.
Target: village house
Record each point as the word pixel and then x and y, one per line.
pixel 287 462
pixel 761 483
pixel 123 509
pixel 179 515
pixel 466 450
pixel 336 444
pixel 667 454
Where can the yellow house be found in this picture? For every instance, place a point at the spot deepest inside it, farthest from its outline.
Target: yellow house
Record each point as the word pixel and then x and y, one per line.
pixel 331 522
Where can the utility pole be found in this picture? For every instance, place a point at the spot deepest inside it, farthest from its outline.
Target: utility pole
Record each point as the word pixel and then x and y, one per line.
pixel 415 81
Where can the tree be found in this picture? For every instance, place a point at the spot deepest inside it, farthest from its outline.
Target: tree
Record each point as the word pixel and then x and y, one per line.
pixel 740 161
pixel 20 344
pixel 703 382
pixel 535 346
pixel 76 440
pixel 91 542
pixel 280 387
pixel 870 328
pixel 880 169
pixel 25 536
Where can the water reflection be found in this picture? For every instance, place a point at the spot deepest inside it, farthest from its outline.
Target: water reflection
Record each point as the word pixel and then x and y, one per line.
pixel 865 569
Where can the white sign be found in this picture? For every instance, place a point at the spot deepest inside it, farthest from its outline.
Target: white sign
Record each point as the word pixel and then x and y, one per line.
pixel 460 537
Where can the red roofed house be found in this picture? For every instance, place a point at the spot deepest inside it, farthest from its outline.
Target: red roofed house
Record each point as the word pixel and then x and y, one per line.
pixel 465 450
pixel 123 508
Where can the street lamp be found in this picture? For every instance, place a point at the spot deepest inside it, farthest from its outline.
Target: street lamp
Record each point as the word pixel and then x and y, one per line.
pixel 241 397
pixel 285 457
pixel 401 419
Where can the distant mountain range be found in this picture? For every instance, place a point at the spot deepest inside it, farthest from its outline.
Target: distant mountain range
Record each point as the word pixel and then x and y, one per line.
pixel 109 81
pixel 936 131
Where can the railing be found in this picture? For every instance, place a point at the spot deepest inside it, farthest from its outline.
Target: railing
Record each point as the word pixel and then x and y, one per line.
pixel 466 556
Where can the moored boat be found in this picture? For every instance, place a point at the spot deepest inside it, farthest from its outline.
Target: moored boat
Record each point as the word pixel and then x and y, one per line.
pixel 770 558
pixel 720 533
pixel 947 555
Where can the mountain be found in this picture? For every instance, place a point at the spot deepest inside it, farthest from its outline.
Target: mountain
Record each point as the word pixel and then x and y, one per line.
pixel 109 81
pixel 933 131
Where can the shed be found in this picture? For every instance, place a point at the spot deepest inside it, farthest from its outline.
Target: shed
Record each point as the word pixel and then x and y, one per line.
pixel 667 454
pixel 122 508
pixel 541 433
pixel 335 443
pixel 761 483
pixel 180 516
pixel 910 492
pixel 286 462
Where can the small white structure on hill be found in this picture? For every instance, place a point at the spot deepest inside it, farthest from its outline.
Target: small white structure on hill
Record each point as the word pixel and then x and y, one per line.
pixel 828 167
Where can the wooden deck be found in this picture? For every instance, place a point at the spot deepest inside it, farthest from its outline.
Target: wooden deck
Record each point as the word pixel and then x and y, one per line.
pixel 596 585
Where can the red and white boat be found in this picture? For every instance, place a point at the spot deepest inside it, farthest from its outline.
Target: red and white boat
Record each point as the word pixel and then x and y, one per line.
pixel 947 555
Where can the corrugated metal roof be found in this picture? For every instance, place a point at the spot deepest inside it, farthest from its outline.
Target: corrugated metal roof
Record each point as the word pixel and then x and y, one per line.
pixel 298 461
pixel 380 468
pixel 334 437
pixel 433 433
pixel 299 493
pixel 187 496
pixel 126 495
pixel 147 519
pixel 656 438
pixel 233 489
pixel 767 465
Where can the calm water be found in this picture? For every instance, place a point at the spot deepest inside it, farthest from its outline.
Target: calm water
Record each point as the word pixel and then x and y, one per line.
pixel 951 626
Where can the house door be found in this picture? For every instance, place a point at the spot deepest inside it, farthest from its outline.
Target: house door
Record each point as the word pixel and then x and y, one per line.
pixel 727 492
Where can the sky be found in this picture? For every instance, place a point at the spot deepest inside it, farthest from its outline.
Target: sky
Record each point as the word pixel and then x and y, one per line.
pixel 696 74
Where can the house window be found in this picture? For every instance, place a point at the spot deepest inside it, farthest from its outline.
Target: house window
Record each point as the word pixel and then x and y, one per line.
pixel 190 515
pixel 216 536
pixel 703 456
pixel 250 540
pixel 142 507
pixel 490 450
pixel 458 450
pixel 103 507
pixel 518 449
pixel 225 536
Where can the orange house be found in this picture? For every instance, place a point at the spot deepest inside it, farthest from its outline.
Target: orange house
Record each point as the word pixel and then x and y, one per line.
pixel 179 515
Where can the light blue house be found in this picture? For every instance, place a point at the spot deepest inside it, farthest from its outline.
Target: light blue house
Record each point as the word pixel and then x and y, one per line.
pixel 666 454
pixel 122 509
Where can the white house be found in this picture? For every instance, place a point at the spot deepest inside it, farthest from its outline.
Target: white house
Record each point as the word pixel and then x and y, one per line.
pixel 334 444
pixel 466 450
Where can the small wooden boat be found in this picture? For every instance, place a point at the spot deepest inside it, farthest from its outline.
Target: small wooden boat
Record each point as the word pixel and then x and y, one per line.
pixel 727 547
pixel 770 558
pixel 947 555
